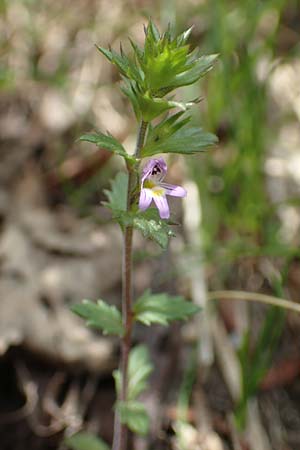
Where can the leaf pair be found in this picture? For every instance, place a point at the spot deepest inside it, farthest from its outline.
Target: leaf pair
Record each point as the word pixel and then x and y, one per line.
pixel 132 412
pixel 150 308
pixel 170 136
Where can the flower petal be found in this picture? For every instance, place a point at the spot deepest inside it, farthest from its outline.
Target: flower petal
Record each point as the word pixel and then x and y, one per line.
pixel 154 163
pixel 173 190
pixel 145 199
pixel 162 206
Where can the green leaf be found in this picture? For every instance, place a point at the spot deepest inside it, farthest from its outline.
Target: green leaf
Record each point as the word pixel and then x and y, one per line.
pixel 162 308
pixel 183 37
pixel 126 67
pixel 186 141
pixel 100 315
pixel 152 107
pixel 166 127
pixel 148 222
pixel 152 227
pixel 200 67
pixel 117 196
pixel 108 142
pixel 85 441
pixel 134 415
pixel 139 369
pixel 131 91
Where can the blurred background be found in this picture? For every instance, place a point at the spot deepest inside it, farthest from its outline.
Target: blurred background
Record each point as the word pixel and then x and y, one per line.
pixel 240 228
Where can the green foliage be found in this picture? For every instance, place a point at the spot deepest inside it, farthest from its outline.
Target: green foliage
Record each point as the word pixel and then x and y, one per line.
pixel 148 107
pixel 164 64
pixel 117 196
pixel 85 441
pixel 100 315
pixel 139 369
pixel 152 227
pixel 147 222
pixel 255 362
pixel 108 142
pixel 132 412
pixel 167 62
pixel 134 415
pixel 186 141
pixel 233 29
pixel 162 308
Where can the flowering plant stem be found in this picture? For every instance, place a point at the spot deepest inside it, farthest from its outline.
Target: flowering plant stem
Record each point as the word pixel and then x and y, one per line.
pixel 120 430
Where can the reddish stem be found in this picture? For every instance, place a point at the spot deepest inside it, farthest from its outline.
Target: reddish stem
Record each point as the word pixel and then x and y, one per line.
pixel 120 430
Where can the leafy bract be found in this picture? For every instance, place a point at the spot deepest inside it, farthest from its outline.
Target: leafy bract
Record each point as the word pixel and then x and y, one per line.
pixel 100 315
pixel 139 369
pixel 147 106
pixel 108 142
pixel 184 140
pixel 117 196
pixel 167 61
pixel 134 415
pixel 85 441
pixel 162 308
pixel 152 227
pixel 164 64
pixel 126 67
pixel 200 67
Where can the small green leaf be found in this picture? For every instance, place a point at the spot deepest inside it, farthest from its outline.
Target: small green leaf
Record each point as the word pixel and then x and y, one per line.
pixel 117 196
pixel 166 127
pixel 186 141
pixel 134 415
pixel 139 369
pixel 152 107
pixel 108 142
pixel 85 441
pixel 152 227
pixel 200 67
pixel 100 315
pixel 128 69
pixel 162 308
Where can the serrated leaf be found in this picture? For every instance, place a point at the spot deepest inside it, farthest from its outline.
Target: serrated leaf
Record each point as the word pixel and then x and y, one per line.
pixel 152 107
pixel 85 441
pixel 199 68
pixel 152 227
pixel 139 369
pixel 185 141
pixel 100 315
pixel 166 127
pixel 108 142
pixel 162 308
pixel 117 195
pixel 127 68
pixel 134 415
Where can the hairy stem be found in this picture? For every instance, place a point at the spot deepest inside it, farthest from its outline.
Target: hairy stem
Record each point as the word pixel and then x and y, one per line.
pixel 120 430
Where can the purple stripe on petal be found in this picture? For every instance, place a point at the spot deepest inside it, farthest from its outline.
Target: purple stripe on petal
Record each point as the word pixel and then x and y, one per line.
pixel 145 199
pixel 162 206
pixel 173 190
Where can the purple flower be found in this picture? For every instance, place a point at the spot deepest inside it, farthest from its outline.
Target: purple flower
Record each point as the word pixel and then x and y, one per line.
pixel 153 188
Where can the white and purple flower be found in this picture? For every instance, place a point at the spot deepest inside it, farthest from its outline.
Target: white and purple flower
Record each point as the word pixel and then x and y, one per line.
pixel 153 188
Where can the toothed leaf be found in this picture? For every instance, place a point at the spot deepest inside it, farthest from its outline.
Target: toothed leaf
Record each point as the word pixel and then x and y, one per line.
pixel 134 415
pixel 100 315
pixel 162 308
